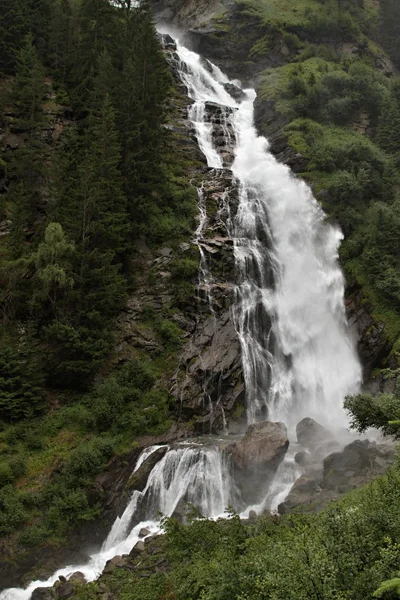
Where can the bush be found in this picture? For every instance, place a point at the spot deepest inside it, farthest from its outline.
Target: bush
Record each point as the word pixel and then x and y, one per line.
pixel 6 474
pixel 184 268
pixel 21 384
pixel 12 511
pixel 171 334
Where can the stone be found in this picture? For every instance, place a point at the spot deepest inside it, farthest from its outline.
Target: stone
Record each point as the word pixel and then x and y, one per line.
pixel 166 252
pixel 303 458
pixel 262 444
pixel 235 91
pixel 256 458
pixel 303 493
pixel 138 479
pixel 137 549
pixel 62 579
pixel 310 433
pixel 65 590
pixel 184 247
pixel 77 577
pixel 117 561
pixel 285 50
pixel 356 464
pixel 144 532
pixel 43 594
pixel 252 515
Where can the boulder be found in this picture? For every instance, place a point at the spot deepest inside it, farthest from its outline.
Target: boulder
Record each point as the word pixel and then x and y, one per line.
pixel 256 458
pixel 144 532
pixel 303 458
pixel 65 590
pixel 137 549
pixel 43 594
pixel 138 480
pixel 235 91
pixel 357 464
pixel 310 433
pixel 117 561
pixel 264 445
pixel 78 577
pixel 303 492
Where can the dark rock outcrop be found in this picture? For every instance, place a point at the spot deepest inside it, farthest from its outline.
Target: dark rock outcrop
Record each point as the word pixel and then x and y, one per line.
pixel 138 480
pixel 372 342
pixel 357 464
pixel 310 433
pixel 256 458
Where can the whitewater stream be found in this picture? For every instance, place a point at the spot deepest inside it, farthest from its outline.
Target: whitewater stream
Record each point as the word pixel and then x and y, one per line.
pixel 298 357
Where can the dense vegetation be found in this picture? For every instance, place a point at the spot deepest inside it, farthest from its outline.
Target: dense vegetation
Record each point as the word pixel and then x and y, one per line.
pixel 88 171
pixel 350 551
pixel 344 553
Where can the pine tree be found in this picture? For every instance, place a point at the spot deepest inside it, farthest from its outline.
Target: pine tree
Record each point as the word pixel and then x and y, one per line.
pixel 390 28
pixel 144 88
pixel 29 85
pixel 388 129
pixel 53 262
pixel 13 27
pixel 94 213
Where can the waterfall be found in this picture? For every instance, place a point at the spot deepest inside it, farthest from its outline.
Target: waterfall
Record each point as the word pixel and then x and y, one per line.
pixel 298 358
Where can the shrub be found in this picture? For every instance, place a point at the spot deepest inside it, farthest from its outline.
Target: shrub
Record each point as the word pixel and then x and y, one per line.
pixel 6 474
pixel 170 333
pixel 184 268
pixel 12 511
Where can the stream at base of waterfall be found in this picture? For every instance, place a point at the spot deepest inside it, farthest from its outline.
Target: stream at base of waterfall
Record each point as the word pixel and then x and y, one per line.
pixel 298 358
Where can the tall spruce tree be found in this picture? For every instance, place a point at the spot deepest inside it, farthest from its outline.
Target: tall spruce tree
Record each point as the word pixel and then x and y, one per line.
pixel 29 85
pixel 93 212
pixel 13 27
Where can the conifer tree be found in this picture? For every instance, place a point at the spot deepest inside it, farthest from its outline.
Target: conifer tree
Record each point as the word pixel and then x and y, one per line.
pixel 29 85
pixel 13 27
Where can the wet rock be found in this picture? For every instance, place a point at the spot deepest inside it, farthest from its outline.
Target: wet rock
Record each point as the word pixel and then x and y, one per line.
pixel 357 463
pixel 137 549
pixel 117 561
pixel 256 458
pixel 77 577
pixel 303 458
pixel 138 480
pixel 354 466
pixel 372 342
pixel 43 594
pixel 235 91
pixel 264 444
pixel 144 532
pixel 303 493
pixel 167 41
pixel 310 433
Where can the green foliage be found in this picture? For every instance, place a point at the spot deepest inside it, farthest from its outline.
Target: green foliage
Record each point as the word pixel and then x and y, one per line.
pixel 29 85
pixel 21 383
pixel 310 557
pixel 171 334
pixel 381 412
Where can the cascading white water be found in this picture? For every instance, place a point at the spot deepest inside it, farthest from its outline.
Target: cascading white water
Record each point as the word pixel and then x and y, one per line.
pixel 298 359
pixel 192 473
